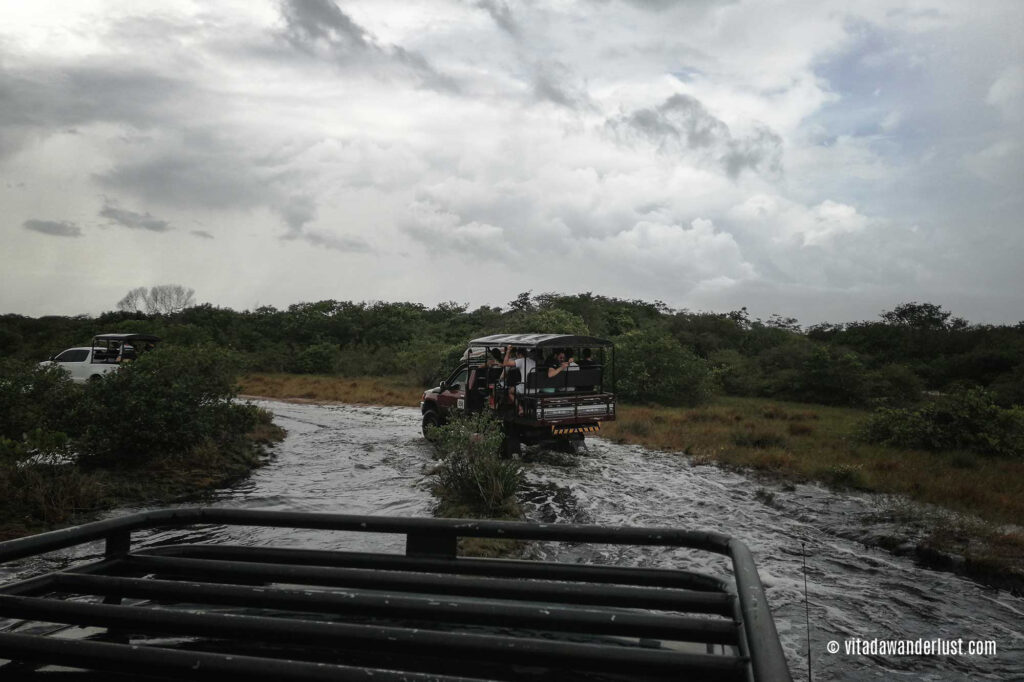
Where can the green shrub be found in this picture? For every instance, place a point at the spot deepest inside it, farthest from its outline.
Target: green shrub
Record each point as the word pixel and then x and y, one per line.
pixel 34 397
pixel 1008 388
pixel 830 377
pixel 471 474
pixel 651 366
pixel 845 476
pixel 321 358
pixel 168 401
pixel 737 374
pixel 967 419
pixel 894 385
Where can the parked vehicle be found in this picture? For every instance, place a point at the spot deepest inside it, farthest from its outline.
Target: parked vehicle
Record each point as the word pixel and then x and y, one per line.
pixel 535 409
pixel 201 610
pixel 107 353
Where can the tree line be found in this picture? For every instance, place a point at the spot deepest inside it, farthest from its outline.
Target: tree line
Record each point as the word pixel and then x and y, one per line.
pixel 663 355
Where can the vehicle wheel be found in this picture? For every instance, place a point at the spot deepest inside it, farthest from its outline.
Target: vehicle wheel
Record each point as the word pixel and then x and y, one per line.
pixel 571 446
pixel 94 378
pixel 430 420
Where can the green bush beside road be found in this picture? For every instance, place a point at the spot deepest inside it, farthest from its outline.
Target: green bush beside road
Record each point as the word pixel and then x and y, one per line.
pixel 164 425
pixel 471 479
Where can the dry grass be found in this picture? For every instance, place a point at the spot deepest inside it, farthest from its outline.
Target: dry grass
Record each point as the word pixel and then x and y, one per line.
pixel 813 442
pixel 360 390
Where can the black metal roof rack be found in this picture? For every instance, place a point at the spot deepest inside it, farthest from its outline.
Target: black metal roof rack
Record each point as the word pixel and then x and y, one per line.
pixel 205 611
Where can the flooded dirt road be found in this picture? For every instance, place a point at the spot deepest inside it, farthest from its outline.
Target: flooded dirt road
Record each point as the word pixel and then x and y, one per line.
pixel 369 460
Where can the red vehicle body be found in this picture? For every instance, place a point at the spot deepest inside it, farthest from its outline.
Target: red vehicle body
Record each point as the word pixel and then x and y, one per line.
pixel 535 409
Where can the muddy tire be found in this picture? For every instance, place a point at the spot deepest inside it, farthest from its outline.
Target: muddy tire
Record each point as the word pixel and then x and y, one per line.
pixel 570 446
pixel 430 420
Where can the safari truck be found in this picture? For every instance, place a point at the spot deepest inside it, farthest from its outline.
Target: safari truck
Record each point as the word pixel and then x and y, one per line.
pixel 535 408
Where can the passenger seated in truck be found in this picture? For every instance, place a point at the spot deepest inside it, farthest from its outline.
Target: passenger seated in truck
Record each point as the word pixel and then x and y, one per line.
pixel 523 365
pixel 557 364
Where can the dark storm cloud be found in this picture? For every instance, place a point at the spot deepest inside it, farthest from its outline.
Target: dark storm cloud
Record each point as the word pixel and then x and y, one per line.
pixel 300 210
pixel 681 125
pixel 132 219
pixel 54 228
pixel 297 212
pixel 554 82
pixel 338 243
pixel 201 233
pixel 309 21
pixel 319 28
pixel 51 99
pixel 761 151
pixel 199 171
pixel 501 14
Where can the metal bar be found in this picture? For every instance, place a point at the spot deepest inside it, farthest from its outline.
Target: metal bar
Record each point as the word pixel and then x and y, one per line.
pixel 403 581
pixel 44 583
pixel 440 545
pixel 391 640
pixel 505 568
pixel 765 650
pixel 389 604
pixel 66 537
pixel 178 664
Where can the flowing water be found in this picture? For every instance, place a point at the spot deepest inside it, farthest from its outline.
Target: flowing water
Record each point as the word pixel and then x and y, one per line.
pixel 370 460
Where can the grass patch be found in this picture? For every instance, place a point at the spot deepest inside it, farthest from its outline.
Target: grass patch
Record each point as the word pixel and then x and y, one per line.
pixel 733 431
pixel 755 436
pixel 388 391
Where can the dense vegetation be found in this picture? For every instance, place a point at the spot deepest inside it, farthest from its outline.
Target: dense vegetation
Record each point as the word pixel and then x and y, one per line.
pixel 470 478
pixel 665 356
pixel 164 424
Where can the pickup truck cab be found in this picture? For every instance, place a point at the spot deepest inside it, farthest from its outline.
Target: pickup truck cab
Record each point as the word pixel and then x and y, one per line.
pixel 107 353
pixel 536 409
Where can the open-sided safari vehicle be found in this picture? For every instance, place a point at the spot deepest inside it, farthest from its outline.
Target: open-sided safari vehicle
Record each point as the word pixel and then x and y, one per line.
pixel 152 610
pixel 107 353
pixel 534 407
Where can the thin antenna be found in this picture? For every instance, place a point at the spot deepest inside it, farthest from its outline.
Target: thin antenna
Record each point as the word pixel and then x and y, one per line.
pixel 807 612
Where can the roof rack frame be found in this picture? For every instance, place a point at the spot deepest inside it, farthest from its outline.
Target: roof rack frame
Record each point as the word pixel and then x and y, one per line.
pixel 428 583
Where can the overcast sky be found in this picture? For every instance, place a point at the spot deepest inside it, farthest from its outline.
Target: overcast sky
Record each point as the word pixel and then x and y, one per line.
pixel 822 160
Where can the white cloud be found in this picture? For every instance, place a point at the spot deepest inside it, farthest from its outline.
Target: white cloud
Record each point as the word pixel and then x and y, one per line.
pixel 673 253
pixel 683 151
pixel 1007 92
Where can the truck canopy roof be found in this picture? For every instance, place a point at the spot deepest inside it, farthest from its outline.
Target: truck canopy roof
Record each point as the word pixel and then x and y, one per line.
pixel 540 340
pixel 125 337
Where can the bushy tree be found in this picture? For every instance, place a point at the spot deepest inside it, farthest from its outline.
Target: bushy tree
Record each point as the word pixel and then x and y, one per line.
pixel 35 398
pixel 321 358
pixel 651 366
pixel 547 321
pixel 967 418
pixel 162 299
pixel 166 402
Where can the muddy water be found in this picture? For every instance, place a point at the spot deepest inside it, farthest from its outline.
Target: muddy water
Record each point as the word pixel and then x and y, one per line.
pixel 366 460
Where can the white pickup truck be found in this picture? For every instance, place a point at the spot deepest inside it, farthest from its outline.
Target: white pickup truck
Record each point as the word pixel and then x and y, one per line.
pixel 107 353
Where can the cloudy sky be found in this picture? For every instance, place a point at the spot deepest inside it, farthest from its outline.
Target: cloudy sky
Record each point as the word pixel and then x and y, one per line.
pixel 824 160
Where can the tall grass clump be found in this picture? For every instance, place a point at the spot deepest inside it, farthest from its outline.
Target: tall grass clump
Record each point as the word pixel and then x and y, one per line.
pixel 471 477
